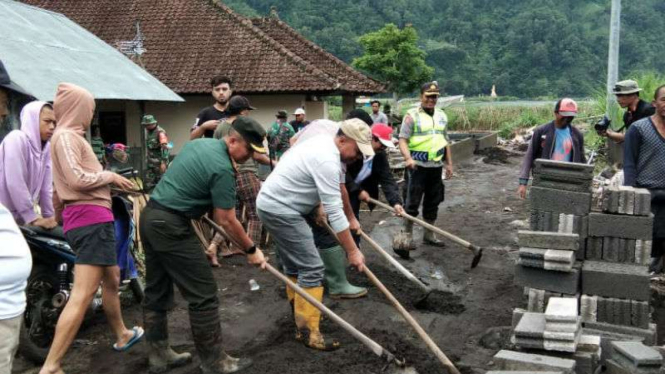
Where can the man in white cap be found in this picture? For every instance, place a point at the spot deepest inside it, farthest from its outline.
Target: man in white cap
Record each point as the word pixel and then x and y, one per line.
pixel 308 176
pixel 628 97
pixel 300 122
pixel 557 140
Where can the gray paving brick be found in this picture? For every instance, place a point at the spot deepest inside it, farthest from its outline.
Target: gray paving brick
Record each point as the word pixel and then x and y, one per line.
pixel 555 281
pixel 624 281
pixel 594 248
pixel 573 171
pixel 640 313
pixel 548 240
pixel 566 223
pixel 511 360
pixel 610 249
pixel 626 316
pixel 536 300
pixel 623 197
pixel 560 309
pixel 610 200
pixel 558 201
pixel 531 262
pixel 629 200
pixel 647 336
pixel 620 226
pixel 559 183
pixel 531 325
pixel 581 226
pixel 602 309
pixel 589 308
pixel 642 202
pixel 517 316
pixel 637 353
pixel 629 255
pixel 559 255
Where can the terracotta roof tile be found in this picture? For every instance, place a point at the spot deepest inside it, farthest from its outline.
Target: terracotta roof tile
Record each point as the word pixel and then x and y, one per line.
pixel 189 41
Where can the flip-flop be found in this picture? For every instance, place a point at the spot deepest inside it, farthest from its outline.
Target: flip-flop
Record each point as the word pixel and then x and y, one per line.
pixel 138 334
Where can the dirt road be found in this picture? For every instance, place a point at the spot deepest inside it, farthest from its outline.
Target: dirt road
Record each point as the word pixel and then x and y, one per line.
pixel 480 205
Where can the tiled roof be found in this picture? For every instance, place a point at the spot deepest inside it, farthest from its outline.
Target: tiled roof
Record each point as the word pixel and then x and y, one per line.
pixel 189 41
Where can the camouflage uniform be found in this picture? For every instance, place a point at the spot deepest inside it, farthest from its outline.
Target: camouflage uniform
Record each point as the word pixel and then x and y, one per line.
pixel 158 152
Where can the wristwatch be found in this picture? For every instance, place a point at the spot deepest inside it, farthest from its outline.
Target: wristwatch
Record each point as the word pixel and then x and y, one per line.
pixel 251 250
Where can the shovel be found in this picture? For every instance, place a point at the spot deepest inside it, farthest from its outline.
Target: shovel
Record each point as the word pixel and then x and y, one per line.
pixel 364 339
pixel 408 317
pixel 477 251
pixel 398 266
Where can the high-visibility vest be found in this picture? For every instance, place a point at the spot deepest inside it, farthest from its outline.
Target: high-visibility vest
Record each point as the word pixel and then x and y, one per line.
pixel 428 140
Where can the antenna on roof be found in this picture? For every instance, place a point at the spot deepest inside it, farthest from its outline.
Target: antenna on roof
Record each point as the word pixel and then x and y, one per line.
pixel 133 48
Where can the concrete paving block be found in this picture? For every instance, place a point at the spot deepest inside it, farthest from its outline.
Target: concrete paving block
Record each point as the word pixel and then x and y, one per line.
pixel 629 255
pixel 586 362
pixel 623 197
pixel 548 240
pixel 640 312
pixel 602 309
pixel 642 202
pixel 610 200
pixel 616 311
pixel 610 249
pixel 588 308
pixel 613 367
pixel 563 337
pixel 558 266
pixel 561 309
pixel 531 325
pixel 560 346
pixel 555 281
pixel 626 314
pixel 581 226
pixel 637 353
pixel 537 253
pixel 559 201
pixel 511 360
pixel 527 343
pixel 589 343
pixel 531 262
pixel 620 226
pixel 558 183
pixel 536 300
pixel 647 336
pixel 623 281
pixel 642 252
pixel 533 220
pixel 594 248
pixel 610 315
pixel 558 255
pixel 567 327
pixel 566 222
pixel 562 169
pixel 629 200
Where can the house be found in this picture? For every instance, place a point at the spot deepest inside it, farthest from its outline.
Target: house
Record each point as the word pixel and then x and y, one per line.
pixel 184 43
pixel 39 49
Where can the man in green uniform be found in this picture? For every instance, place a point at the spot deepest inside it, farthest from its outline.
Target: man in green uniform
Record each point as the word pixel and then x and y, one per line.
pixel 157 145
pixel 280 134
pixel 97 144
pixel 423 141
pixel 201 178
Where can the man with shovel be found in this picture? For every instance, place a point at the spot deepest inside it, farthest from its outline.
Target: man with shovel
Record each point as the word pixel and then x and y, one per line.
pixel 200 178
pixel 308 176
pixel 423 141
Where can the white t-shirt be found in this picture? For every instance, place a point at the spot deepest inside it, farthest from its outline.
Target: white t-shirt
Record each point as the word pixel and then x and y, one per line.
pixel 16 262
pixel 321 127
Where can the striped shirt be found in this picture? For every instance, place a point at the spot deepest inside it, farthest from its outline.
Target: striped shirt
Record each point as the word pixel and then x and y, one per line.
pixel 644 156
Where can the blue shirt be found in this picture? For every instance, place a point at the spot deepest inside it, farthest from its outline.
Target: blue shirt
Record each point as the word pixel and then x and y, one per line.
pixel 563 145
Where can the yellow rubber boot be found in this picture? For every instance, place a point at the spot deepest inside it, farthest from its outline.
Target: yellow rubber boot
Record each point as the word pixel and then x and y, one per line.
pixel 307 320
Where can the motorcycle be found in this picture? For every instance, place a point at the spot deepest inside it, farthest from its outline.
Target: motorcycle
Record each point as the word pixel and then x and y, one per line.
pixel 50 282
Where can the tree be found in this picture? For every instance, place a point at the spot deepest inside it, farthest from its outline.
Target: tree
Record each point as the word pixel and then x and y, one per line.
pixel 392 56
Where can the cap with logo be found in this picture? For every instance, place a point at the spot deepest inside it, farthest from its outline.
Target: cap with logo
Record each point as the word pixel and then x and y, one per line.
pixel 299 111
pixel 384 133
pixel 430 89
pixel 358 130
pixel 626 87
pixel 251 131
pixel 567 108
pixel 282 114
pixel 238 103
pixel 148 119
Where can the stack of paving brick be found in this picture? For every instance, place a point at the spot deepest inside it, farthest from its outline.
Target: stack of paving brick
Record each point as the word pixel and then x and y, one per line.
pixel 558 329
pixel 634 358
pixel 615 279
pixel 561 198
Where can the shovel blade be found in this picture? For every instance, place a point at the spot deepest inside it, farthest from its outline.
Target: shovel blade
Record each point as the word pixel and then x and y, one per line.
pixel 478 254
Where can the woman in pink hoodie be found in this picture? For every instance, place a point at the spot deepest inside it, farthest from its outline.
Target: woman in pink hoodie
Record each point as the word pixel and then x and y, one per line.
pixel 25 167
pixel 83 199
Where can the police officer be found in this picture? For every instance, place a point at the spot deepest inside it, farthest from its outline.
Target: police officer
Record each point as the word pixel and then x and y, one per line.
pixel 156 143
pixel 423 142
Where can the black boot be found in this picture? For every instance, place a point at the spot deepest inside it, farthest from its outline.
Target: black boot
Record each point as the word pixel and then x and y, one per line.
pixel 430 238
pixel 207 333
pixel 161 357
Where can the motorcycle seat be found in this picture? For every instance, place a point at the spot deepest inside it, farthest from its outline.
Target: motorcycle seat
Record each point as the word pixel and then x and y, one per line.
pixel 56 233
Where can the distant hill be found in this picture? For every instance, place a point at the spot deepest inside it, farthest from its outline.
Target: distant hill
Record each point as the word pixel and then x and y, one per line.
pixel 528 48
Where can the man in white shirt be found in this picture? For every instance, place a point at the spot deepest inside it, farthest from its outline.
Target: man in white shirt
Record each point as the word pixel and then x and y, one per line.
pixel 16 266
pixel 308 175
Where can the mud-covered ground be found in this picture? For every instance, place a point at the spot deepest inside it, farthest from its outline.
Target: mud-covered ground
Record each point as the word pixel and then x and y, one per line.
pixel 480 205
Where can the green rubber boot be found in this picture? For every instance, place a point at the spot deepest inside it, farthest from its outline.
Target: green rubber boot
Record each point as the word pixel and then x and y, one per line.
pixel 334 259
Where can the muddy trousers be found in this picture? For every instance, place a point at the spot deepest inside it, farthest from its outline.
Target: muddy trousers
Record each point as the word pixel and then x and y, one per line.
pixel 173 255
pixel 423 185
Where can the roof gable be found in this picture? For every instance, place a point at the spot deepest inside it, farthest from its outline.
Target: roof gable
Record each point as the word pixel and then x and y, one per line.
pixel 189 41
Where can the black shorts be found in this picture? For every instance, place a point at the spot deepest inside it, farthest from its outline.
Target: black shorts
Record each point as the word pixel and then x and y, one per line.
pixel 94 244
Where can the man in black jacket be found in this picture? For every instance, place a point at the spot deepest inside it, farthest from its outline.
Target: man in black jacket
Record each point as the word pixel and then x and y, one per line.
pixel 628 97
pixel 557 140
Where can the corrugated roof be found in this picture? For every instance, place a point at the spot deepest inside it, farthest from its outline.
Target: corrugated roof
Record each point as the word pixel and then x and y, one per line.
pixel 40 49
pixel 188 42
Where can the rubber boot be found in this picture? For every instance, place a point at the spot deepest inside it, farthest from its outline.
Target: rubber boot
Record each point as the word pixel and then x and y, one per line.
pixel 430 238
pixel 308 318
pixel 207 334
pixel 403 242
pixel 161 357
pixel 291 296
pixel 334 259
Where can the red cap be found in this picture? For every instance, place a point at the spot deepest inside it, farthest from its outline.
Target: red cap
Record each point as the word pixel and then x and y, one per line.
pixel 384 133
pixel 568 108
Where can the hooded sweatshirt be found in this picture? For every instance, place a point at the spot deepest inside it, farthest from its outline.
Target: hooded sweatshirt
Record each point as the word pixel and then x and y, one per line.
pixel 25 169
pixel 77 175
